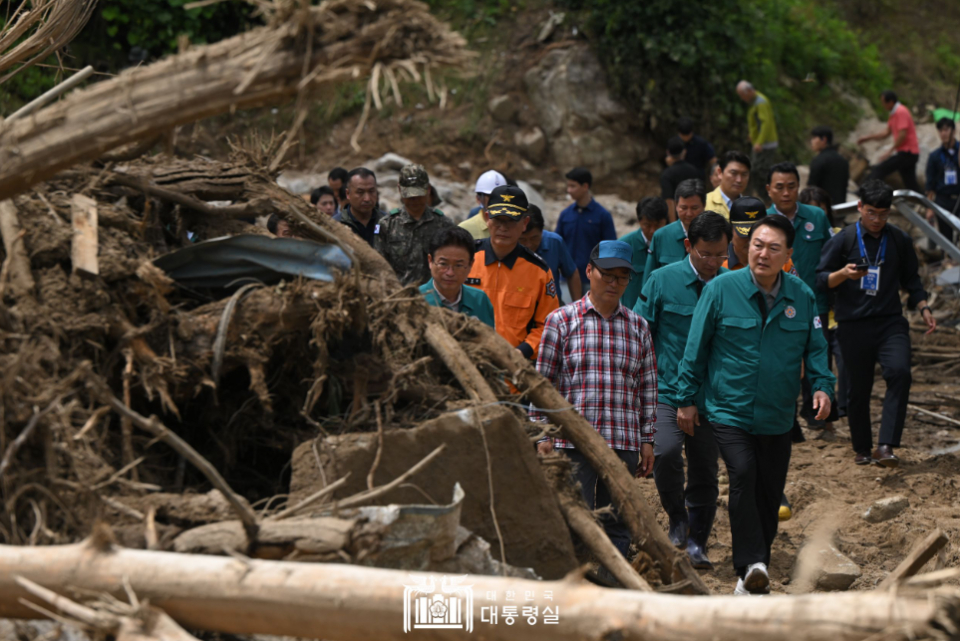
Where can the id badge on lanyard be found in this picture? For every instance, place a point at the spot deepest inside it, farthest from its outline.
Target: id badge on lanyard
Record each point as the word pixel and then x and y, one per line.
pixel 870 283
pixel 950 176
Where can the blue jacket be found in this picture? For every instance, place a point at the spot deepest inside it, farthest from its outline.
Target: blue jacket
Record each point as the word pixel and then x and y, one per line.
pixel 582 228
pixel 474 302
pixel 554 252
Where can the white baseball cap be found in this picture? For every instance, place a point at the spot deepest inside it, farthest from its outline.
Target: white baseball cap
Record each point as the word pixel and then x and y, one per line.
pixel 489 181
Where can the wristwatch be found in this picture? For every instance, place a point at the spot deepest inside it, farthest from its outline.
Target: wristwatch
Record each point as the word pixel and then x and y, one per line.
pixel 925 308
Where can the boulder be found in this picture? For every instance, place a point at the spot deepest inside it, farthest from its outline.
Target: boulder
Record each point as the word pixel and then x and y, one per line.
pixel 534 532
pixel 531 143
pixel 300 182
pixel 886 509
pixel 583 124
pixel 534 197
pixel 826 568
pixel 502 108
pixel 390 162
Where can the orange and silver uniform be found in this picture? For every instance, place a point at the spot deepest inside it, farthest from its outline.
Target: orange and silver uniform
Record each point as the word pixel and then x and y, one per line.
pixel 522 291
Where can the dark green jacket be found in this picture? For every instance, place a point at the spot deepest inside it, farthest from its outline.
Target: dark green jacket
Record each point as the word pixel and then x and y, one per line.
pixel 813 232
pixel 666 247
pixel 667 303
pixel 474 302
pixel 639 245
pixel 751 368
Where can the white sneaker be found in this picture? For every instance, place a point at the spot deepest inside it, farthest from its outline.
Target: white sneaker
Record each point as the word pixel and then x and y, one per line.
pixel 741 590
pixel 757 581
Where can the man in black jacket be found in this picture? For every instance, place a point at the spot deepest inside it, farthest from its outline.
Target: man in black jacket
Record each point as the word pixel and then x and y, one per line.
pixel 828 170
pixel 678 170
pixel 867 264
pixel 943 169
pixel 361 213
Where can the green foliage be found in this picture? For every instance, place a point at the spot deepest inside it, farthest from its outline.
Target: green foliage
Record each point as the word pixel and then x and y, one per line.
pixel 125 32
pixel 676 57
pixel 155 25
pixel 27 85
pixel 474 17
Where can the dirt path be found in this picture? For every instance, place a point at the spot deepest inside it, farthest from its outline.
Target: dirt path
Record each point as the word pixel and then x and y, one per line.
pixel 829 492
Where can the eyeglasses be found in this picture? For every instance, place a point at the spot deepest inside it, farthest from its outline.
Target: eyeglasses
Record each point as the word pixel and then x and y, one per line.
pixel 444 266
pixel 610 278
pixel 872 215
pixel 710 257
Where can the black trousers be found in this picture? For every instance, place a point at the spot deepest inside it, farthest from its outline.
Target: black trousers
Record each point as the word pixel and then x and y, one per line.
pixel 865 343
pixel 902 162
pixel 948 203
pixel 702 465
pixel 757 466
pixel 596 495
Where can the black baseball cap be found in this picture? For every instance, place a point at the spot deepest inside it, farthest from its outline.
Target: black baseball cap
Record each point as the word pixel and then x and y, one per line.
pixel 744 213
pixel 508 201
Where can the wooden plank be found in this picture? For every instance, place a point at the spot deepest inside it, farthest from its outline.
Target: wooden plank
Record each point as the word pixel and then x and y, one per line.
pixel 919 555
pixel 83 251
pixel 17 266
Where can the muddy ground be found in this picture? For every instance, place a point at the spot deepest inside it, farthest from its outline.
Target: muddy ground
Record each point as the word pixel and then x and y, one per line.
pixel 829 493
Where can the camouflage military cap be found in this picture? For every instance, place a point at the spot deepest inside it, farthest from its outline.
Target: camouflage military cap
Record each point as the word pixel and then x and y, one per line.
pixel 414 181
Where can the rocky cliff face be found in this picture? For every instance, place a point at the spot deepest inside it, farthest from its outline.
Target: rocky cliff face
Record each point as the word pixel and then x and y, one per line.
pixel 582 122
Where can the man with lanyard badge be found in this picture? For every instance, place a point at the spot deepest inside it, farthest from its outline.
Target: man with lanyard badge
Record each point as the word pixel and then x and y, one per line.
pixel 867 264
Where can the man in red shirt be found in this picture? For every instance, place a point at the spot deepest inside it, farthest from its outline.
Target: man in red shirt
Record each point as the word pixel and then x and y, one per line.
pixel 903 156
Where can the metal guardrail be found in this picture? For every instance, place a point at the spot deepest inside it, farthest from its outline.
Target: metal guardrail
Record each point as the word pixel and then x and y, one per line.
pixel 902 199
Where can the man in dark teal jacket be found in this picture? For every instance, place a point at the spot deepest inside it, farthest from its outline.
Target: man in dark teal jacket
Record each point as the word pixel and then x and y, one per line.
pixel 667 303
pixel 667 245
pixel 450 257
pixel 752 332
pixel 813 231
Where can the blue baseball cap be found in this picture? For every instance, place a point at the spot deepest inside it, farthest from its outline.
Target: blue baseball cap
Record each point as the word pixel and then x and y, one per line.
pixel 610 254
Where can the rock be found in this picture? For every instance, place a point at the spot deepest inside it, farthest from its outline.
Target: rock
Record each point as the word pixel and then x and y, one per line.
pixel 533 529
pixel 583 124
pixel 531 143
pixel 390 162
pixel 554 21
pixel 502 108
pixel 299 182
pixel 886 509
pixel 824 567
pixel 533 196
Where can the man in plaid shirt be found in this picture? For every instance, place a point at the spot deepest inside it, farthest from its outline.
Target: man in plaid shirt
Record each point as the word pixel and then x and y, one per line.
pixel 599 355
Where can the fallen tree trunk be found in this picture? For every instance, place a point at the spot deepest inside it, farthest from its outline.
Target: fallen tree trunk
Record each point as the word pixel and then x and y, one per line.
pixel 336 41
pixel 674 565
pixel 593 536
pixel 349 603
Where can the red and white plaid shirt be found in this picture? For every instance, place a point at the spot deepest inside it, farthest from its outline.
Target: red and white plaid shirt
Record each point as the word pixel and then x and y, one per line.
pixel 606 368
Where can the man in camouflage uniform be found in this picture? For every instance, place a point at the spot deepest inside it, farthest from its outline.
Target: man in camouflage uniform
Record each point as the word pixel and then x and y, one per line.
pixel 404 235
